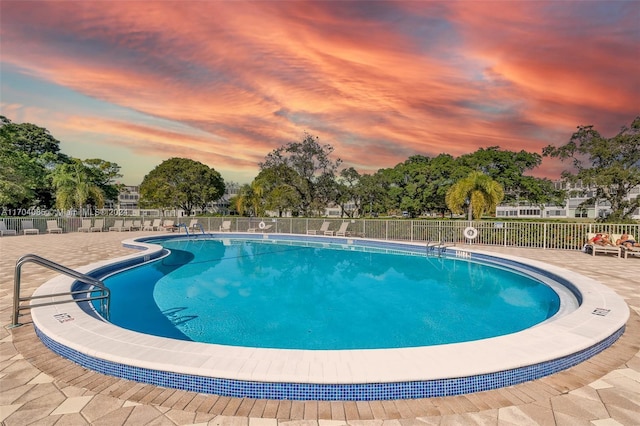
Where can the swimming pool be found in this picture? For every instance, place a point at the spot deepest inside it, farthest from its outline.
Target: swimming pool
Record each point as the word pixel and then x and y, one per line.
pixel 309 295
pixel 359 374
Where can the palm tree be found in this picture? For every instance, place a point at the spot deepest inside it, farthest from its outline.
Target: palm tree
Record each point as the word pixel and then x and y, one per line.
pixel 74 188
pixel 478 191
pixel 257 191
pixel 249 199
pixel 239 202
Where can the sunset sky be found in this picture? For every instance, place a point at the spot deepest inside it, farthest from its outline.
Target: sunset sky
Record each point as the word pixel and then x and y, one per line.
pixel 226 82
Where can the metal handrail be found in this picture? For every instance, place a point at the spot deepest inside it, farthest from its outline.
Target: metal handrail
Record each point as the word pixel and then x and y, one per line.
pixel 186 228
pixel 201 228
pixel 104 297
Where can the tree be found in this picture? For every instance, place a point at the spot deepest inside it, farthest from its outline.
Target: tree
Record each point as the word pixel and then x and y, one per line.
pixel 281 198
pixel 372 192
pixel 307 168
pixel 27 155
pixel 245 201
pixel 405 185
pixel 74 187
pixel 390 181
pixel 509 169
pixel 104 174
pixel 443 171
pixel 29 138
pixel 610 165
pixel 19 178
pixel 420 183
pixel 478 192
pixel 30 161
pixel 271 191
pixel 346 190
pixel 412 177
pixel 539 192
pixel 181 183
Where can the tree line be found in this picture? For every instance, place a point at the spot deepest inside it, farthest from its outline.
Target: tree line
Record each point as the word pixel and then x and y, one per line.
pixel 34 174
pixel 303 178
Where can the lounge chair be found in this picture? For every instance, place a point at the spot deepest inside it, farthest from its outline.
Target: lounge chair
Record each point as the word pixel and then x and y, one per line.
pixel 595 247
pixel 4 231
pixel 323 229
pixel 147 226
pixel 156 225
pixel 27 228
pixel 342 231
pixel 168 225
pixel 98 226
pixel 627 250
pixel 226 226
pixel 118 225
pixel 127 225
pixel 86 225
pixel 53 228
pixel 136 225
pixel 193 225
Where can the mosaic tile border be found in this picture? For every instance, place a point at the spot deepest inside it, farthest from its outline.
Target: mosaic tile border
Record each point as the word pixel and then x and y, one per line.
pixel 329 392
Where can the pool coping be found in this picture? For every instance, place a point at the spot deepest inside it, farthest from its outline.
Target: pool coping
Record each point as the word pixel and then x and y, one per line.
pixel 592 327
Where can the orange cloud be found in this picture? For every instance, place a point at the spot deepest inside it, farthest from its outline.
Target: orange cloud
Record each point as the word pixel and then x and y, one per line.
pixel 228 82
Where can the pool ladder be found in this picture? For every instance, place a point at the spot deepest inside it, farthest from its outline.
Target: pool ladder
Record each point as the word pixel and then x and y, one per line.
pixel 438 247
pixel 186 228
pixel 104 296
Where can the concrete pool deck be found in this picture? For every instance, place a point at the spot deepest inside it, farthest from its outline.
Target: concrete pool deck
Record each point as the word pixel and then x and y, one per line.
pixel 38 386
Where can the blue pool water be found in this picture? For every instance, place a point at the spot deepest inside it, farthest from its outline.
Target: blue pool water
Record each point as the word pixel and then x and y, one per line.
pixel 270 294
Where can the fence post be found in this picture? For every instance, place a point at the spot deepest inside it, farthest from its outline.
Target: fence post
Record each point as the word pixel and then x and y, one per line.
pixel 544 237
pixel 504 235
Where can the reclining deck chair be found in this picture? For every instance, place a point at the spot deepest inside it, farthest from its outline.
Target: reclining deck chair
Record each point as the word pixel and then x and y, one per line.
pixel 323 229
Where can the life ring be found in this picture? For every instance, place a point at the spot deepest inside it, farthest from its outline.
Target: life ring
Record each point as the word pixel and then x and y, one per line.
pixel 470 232
pixel 262 225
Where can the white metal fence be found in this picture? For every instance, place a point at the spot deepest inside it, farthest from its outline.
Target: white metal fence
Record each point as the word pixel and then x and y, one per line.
pixel 547 235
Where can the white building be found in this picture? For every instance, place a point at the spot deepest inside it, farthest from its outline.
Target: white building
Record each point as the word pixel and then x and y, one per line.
pixel 572 208
pixel 128 198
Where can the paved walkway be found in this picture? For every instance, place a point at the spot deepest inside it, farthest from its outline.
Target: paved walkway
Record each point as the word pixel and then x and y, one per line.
pixel 38 387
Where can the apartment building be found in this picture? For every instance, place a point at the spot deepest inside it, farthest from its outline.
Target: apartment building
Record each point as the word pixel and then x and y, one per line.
pixel 129 199
pixel 573 208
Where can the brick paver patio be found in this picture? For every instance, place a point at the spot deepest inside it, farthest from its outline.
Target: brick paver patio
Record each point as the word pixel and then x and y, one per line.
pixel 39 387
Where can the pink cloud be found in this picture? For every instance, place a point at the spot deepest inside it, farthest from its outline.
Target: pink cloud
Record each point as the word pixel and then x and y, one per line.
pixel 379 84
pixel 559 60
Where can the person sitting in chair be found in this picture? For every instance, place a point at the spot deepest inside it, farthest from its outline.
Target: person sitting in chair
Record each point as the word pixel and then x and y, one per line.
pixel 627 241
pixel 600 239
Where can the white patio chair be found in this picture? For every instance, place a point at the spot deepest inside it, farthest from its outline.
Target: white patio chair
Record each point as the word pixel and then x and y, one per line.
pixel 28 228
pixel 86 225
pixel 53 227
pixel 4 231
